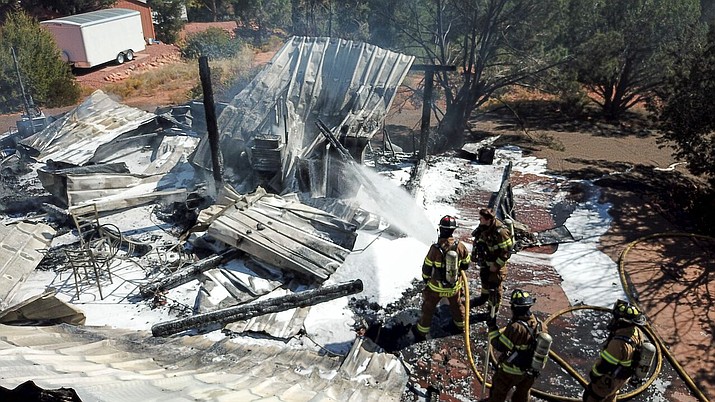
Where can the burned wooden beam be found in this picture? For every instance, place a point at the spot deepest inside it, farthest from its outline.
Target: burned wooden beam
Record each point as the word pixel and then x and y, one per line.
pixel 246 311
pixel 503 203
pixel 427 101
pixel 186 274
pixel 205 76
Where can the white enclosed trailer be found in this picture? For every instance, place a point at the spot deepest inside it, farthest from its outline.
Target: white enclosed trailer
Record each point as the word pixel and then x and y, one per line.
pixel 90 39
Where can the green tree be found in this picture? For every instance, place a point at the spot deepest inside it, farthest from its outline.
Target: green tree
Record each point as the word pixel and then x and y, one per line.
pixel 6 7
pixel 45 77
pixel 493 43
pixel 623 50
pixel 214 43
pixel 168 22
pixel 209 10
pixel 64 7
pixel 266 15
pixel 346 19
pixel 687 117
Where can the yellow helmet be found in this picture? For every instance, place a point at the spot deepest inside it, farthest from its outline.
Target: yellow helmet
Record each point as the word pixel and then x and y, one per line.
pixel 522 298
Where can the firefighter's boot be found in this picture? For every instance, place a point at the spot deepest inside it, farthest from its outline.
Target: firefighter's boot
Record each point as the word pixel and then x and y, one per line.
pixel 478 301
pixel 419 336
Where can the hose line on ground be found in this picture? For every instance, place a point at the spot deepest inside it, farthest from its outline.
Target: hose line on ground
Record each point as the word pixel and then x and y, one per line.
pixel 467 343
pixel 650 332
pixel 628 289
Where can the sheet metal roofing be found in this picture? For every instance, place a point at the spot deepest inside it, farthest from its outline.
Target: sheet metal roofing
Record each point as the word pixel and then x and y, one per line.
pixel 75 137
pixel 21 249
pixel 103 364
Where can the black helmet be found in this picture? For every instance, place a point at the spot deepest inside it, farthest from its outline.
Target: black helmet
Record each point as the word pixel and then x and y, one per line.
pixel 522 298
pixel 624 311
pixel 448 222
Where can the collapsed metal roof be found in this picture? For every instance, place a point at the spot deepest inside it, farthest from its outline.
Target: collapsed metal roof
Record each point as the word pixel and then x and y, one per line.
pixel 77 136
pixel 271 124
pixel 283 232
pixel 109 364
pixel 112 155
pixel 346 85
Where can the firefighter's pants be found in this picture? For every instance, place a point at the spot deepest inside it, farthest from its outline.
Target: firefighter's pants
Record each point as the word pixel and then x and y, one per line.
pixel 605 385
pixel 492 280
pixel 429 305
pixel 502 382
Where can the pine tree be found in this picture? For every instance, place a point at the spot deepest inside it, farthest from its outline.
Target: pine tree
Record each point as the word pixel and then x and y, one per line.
pixel 45 76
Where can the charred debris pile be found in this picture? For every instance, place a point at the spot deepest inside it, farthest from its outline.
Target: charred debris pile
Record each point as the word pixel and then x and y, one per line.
pixel 106 185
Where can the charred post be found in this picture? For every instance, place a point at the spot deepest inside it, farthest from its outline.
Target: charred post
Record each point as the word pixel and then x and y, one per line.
pixel 211 125
pixel 246 311
pixel 187 274
pixel 427 102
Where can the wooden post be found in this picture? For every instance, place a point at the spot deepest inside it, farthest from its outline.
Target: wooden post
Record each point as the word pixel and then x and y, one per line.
pixel 427 102
pixel 426 111
pixel 211 126
pixel 246 311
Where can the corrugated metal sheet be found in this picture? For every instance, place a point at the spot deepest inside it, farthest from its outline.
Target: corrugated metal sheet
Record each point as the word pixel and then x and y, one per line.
pixel 21 246
pixel 285 233
pixel 347 85
pixel 76 136
pixel 103 364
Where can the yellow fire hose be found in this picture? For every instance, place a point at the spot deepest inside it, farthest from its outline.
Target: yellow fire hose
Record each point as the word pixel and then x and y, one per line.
pixel 648 330
pixel 466 336
pixel 626 288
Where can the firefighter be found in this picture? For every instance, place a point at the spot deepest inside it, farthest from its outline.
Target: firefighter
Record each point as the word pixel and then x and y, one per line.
pixel 441 274
pixel 617 361
pixel 518 365
pixel 491 250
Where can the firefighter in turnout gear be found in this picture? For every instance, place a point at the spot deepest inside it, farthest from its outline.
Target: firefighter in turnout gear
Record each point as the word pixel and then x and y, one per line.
pixel 518 365
pixel 618 360
pixel 491 249
pixel 441 272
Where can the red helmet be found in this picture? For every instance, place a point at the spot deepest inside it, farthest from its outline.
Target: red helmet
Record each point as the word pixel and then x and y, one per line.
pixel 448 222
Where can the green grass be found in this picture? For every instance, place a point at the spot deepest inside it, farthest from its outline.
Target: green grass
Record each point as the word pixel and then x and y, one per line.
pixel 181 79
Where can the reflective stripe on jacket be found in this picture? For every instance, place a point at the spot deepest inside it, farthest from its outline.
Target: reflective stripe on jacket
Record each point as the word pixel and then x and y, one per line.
pixel 495 242
pixel 513 339
pixel 433 268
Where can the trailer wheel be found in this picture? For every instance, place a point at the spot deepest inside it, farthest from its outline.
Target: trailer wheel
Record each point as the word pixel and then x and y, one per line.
pixel 129 55
pixel 120 58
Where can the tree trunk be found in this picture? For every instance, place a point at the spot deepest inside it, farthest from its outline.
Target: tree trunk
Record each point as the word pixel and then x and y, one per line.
pixel 450 134
pixel 246 311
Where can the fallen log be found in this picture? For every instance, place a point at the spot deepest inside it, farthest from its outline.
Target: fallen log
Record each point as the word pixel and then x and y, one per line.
pixel 186 274
pixel 246 311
